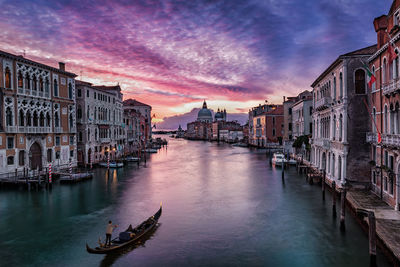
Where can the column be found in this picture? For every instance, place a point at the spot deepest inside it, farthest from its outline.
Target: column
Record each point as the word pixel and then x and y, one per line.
pixel 345 126
pixel 344 166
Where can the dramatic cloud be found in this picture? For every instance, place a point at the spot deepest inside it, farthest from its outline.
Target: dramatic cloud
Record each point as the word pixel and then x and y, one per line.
pixel 170 53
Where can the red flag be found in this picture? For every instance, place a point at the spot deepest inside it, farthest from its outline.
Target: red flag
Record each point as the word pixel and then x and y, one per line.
pixel 379 138
pixel 392 53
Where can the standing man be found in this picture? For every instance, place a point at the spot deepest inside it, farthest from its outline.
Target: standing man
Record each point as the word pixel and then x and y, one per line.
pixel 109 231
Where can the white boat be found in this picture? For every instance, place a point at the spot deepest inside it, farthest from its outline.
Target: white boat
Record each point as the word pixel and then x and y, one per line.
pixel 132 159
pixel 278 159
pixel 113 164
pixel 291 161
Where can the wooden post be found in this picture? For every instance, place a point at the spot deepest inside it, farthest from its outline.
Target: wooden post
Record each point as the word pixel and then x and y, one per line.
pixel 334 199
pixel 372 238
pixel 343 209
pixel 323 185
pixel 283 173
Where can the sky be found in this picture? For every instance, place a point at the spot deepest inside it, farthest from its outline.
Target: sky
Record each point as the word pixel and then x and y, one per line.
pixel 175 54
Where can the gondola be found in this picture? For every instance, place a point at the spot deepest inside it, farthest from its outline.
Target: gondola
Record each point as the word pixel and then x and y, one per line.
pixel 134 235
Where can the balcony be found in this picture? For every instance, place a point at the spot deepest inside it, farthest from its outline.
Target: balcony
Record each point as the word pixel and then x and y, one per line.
pixel 391 140
pixel 58 129
pixel 391 87
pixel 11 129
pixel 324 143
pixel 323 103
pixel 372 137
pixel 105 140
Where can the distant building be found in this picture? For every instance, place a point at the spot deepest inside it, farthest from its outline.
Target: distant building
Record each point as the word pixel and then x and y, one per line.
pixel 180 133
pixel 145 111
pixel 201 129
pixel 204 114
pixel 287 118
pixel 302 111
pixel 267 125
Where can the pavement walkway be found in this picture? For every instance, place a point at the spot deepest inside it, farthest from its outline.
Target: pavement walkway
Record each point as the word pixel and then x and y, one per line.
pixel 387 219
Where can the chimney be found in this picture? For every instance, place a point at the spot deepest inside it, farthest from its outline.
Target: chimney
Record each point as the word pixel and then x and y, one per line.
pixel 61 66
pixel 380 25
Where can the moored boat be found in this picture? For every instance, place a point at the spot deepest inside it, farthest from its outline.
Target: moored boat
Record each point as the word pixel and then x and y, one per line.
pixel 132 159
pixel 129 236
pixel 113 164
pixel 278 159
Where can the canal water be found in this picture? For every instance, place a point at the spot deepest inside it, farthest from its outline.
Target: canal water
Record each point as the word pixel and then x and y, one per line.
pixel 222 206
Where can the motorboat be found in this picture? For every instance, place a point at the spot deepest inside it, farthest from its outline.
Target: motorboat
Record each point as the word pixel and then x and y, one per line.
pixel 291 161
pixel 113 164
pixel 132 159
pixel 278 159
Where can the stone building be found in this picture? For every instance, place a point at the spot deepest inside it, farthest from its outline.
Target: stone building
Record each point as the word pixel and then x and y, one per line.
pixel 301 115
pixel 134 124
pixel 99 121
pixel 37 123
pixel 384 135
pixel 145 111
pixel 287 118
pixel 202 128
pixel 267 125
pixel 339 119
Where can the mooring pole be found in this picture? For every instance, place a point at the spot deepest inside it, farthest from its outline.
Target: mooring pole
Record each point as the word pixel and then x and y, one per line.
pixel 372 238
pixel 334 199
pixel 283 173
pixel 343 209
pixel 323 185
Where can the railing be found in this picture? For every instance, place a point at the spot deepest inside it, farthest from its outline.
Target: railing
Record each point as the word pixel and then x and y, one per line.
pixel 72 130
pixel 372 137
pixel 34 129
pixel 11 129
pixel 28 91
pixel 391 87
pixel 324 143
pixel 20 90
pixel 323 102
pixel 105 140
pixel 58 129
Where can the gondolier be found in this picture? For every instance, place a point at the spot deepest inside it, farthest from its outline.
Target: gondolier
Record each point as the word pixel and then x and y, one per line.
pixel 109 231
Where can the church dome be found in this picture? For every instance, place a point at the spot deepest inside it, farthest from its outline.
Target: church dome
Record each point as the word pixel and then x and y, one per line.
pixel 204 114
pixel 219 115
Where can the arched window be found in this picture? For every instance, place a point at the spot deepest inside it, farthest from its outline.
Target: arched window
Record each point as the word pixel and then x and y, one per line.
pixel 21 118
pixel 56 120
pixel 9 117
pixel 28 118
pixel 95 134
pixel 341 85
pixel 7 78
pixel 396 67
pixel 27 81
pixel 88 111
pixel 70 90
pixel 334 88
pixel 20 80
pixel 46 86
pixel 41 119
pixel 385 120
pixel 35 119
pixel 41 85
pixel 55 85
pixel 334 127
pixel 384 72
pixel 48 120
pixel 71 121
pixel 333 166
pixel 340 168
pixel 359 81
pixel 79 112
pixel 34 82
pixel 340 127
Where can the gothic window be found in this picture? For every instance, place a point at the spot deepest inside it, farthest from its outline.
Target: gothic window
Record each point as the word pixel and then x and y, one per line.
pixel 46 85
pixel 56 120
pixel 35 119
pixel 7 78
pixel 79 112
pixel 41 87
pixel 34 83
pixel 20 80
pixel 9 117
pixel 21 118
pixel 41 119
pixel 359 81
pixel 27 81
pixel 28 118
pixel 71 121
pixel 341 85
pixel 70 90
pixel 340 127
pixel 385 120
pixel 334 88
pixel 55 87
pixel 48 120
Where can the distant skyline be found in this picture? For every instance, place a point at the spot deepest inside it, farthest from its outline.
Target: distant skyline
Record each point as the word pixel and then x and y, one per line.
pixel 174 54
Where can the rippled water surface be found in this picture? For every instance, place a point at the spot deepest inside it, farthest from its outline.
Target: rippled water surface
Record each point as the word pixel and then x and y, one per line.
pixel 222 206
